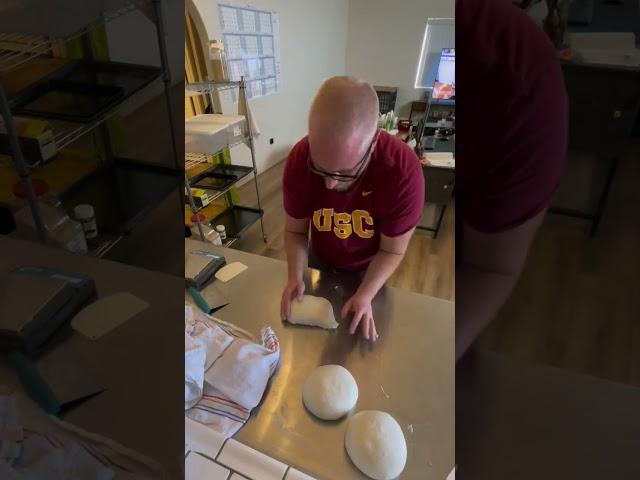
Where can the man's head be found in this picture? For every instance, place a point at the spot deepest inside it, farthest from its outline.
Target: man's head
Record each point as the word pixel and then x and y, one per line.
pixel 342 124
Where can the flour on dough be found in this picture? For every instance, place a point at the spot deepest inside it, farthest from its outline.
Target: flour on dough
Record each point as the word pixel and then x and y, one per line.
pixel 313 311
pixel 376 445
pixel 330 392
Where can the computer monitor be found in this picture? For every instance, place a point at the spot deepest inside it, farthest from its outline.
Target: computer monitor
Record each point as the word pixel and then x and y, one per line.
pixel 444 87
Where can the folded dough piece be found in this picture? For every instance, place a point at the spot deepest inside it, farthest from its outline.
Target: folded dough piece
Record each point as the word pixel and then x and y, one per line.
pixel 313 311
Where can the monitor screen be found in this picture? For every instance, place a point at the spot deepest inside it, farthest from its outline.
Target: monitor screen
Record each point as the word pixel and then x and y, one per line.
pixel 444 88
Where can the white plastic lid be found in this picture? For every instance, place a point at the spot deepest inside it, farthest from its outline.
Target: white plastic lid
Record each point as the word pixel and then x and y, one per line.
pixel 83 212
pixel 220 228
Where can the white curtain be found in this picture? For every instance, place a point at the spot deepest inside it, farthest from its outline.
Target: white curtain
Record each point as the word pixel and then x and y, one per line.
pixel 440 33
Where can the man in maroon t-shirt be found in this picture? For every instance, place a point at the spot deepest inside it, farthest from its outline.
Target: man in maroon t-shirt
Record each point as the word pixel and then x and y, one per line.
pixel 511 144
pixel 357 190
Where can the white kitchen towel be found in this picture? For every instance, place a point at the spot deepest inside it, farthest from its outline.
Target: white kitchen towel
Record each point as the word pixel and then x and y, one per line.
pixel 242 372
pixel 204 342
pixel 248 113
pixel 195 357
pixel 11 432
pixel 57 450
pixel 236 381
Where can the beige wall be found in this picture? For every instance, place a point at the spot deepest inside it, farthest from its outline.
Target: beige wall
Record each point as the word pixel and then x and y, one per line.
pixel 144 50
pixel 384 41
pixel 313 39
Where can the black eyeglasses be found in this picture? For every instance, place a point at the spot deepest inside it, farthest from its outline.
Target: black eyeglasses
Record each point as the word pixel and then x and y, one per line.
pixel 340 177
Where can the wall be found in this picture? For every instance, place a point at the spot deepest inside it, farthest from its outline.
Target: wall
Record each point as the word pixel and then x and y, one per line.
pixel 384 41
pixel 313 39
pixel 132 38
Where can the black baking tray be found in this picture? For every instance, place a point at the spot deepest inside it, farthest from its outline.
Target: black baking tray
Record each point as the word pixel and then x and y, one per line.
pixel 128 78
pixel 236 219
pixel 70 100
pixel 238 171
pixel 215 181
pixel 123 193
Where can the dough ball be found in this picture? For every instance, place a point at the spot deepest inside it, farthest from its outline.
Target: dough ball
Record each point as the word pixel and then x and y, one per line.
pixel 330 392
pixel 376 445
pixel 313 311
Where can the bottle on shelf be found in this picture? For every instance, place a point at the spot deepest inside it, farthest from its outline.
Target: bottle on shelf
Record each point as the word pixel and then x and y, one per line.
pixel 60 229
pixel 210 234
pixel 222 231
pixel 86 216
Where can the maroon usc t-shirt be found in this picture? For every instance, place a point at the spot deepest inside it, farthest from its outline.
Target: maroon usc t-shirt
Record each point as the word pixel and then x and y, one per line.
pixel 511 118
pixel 345 226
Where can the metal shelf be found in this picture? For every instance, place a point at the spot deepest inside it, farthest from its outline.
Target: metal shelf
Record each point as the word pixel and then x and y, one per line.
pixel 237 219
pixel 233 214
pixel 106 243
pixel 16 49
pixel 203 88
pixel 230 241
pixel 122 193
pixel 221 192
pixel 193 159
pixel 66 133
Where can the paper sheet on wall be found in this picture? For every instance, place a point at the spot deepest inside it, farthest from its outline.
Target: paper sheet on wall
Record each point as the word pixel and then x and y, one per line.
pixel 252 47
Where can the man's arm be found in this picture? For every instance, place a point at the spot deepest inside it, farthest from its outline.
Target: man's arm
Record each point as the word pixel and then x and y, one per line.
pixel 490 267
pixel 384 263
pixel 296 237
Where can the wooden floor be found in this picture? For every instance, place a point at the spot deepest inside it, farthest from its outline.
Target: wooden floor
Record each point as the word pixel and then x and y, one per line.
pixel 577 305
pixel 427 268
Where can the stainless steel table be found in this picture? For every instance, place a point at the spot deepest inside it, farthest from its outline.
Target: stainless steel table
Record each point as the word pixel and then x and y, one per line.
pixel 140 362
pixel 408 372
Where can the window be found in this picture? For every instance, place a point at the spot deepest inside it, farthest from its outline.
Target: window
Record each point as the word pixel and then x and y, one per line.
pixel 439 33
pixel 250 39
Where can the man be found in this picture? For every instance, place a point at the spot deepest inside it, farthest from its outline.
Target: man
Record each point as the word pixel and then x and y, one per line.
pixel 357 191
pixel 512 139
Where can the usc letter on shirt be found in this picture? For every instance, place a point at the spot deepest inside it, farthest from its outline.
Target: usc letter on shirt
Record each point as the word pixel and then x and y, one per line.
pixel 387 199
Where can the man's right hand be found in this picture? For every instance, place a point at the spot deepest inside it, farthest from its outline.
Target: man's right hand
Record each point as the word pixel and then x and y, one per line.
pixel 294 289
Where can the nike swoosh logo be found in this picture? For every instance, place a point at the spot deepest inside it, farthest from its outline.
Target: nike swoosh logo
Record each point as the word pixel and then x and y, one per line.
pixel 364 194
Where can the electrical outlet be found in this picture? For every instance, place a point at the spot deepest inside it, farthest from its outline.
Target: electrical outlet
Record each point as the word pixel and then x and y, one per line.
pixel 271 141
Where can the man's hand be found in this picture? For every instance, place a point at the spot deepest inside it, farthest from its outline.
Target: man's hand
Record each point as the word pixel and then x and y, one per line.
pixel 360 305
pixel 384 263
pixel 294 289
pixel 489 269
pixel 295 244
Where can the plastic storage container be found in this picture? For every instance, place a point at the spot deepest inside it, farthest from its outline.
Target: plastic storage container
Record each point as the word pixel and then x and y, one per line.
pixel 209 133
pixel 210 234
pixel 60 229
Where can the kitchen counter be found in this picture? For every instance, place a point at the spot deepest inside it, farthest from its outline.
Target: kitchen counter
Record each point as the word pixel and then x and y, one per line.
pixel 142 356
pixel 408 372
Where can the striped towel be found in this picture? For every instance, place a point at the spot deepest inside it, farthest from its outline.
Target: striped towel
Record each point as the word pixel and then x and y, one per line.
pixel 56 450
pixel 236 381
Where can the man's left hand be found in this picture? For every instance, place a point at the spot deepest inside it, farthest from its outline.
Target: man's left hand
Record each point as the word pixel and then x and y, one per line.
pixel 360 305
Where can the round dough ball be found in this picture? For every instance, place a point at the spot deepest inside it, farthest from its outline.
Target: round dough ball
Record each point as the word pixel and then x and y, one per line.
pixel 330 392
pixel 376 445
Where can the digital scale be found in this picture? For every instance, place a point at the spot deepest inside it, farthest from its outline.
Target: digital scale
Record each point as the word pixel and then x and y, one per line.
pixel 200 266
pixel 35 302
